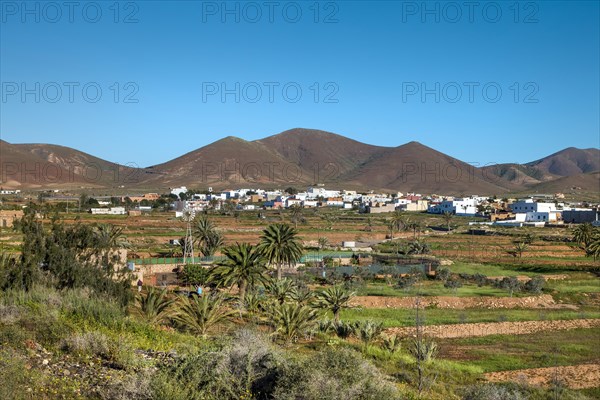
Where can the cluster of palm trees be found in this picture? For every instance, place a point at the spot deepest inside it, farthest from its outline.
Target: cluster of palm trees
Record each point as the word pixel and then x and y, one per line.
pixel 291 310
pixel 587 238
pixel 399 222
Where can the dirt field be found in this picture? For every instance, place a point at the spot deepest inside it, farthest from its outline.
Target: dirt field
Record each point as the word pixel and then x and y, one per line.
pixel 544 301
pixel 574 376
pixel 495 328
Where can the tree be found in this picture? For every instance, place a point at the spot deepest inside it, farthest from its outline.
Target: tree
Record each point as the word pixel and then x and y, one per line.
pixel 519 249
pixel 329 219
pixel 291 320
pixel 511 284
pixel 280 245
pixel 453 284
pixel 207 237
pixel 193 275
pixel 244 266
pixel 535 284
pixel 334 298
pixel 74 256
pixel 583 234
pixel 323 242
pixel 297 215
pixel 400 220
pixel 281 290
pixel 415 226
pixel 391 225
pixel 201 313
pixel 448 217
pixel 418 247
pixel 529 238
pixel 291 191
pixel 155 306
pixel 442 274
pixel 588 239
pixel 593 248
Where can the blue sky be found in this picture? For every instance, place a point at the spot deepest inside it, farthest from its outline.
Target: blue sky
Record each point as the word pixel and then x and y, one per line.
pixel 371 62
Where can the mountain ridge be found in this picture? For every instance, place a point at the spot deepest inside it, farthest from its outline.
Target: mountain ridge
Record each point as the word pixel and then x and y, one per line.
pixel 301 156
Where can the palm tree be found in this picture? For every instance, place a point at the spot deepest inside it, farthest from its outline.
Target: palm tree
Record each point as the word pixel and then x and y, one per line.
pixel 400 220
pixel 297 215
pixel 291 320
pixel 520 248
pixel 244 266
pixel 155 306
pixel 281 290
pixel 201 313
pixel 109 238
pixel 301 295
pixel 323 242
pixel 448 217
pixel 334 298
pixel 280 245
pixel 391 225
pixel 206 235
pixel 583 234
pixel 329 219
pixel 415 226
pixel 593 248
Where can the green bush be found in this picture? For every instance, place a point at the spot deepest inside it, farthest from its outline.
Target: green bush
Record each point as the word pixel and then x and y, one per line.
pixel 335 373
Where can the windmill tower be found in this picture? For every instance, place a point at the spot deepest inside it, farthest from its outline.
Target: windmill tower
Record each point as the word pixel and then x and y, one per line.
pixel 188 246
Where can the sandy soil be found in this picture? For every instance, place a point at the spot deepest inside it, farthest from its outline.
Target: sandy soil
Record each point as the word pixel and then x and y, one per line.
pixel 574 376
pixel 496 328
pixel 543 301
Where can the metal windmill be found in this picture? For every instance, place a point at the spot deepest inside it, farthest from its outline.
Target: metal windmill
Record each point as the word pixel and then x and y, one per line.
pixel 188 246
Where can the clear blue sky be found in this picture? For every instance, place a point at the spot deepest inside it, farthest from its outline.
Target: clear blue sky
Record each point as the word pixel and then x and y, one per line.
pixel 374 56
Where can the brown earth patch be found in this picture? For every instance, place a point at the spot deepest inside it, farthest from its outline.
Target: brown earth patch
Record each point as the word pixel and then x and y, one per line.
pixel 495 328
pixel 581 376
pixel 543 301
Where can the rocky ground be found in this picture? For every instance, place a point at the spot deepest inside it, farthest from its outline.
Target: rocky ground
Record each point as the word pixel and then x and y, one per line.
pixel 496 328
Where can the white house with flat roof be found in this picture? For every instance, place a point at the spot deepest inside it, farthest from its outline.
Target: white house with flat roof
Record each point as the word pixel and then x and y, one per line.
pixel 529 205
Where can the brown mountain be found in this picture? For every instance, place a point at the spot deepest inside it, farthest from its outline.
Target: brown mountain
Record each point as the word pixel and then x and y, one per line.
pixel 414 167
pixel 226 162
pixel 567 162
pixel 582 186
pixel 320 152
pixel 31 166
pixel 301 157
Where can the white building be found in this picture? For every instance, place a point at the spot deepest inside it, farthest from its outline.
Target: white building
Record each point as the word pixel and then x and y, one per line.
pixel 456 206
pixel 179 190
pixel 528 205
pixel 108 211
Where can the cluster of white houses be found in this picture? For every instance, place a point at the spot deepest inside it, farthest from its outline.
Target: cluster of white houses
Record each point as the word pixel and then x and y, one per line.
pixel 506 211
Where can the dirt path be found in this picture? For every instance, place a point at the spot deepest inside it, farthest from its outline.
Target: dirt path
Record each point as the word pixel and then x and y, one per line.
pixel 543 301
pixel 581 376
pixel 496 328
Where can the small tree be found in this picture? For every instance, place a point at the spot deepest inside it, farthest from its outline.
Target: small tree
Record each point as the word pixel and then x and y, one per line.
pixel 442 274
pixel 511 284
pixel 453 284
pixel 155 306
pixel 448 217
pixel 202 313
pixel 193 275
pixel 535 284
pixel 334 298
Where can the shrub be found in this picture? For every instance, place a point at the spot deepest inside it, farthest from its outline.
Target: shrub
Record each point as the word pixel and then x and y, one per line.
pixel 335 373
pixel 391 343
pixel 87 343
pixel 535 284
